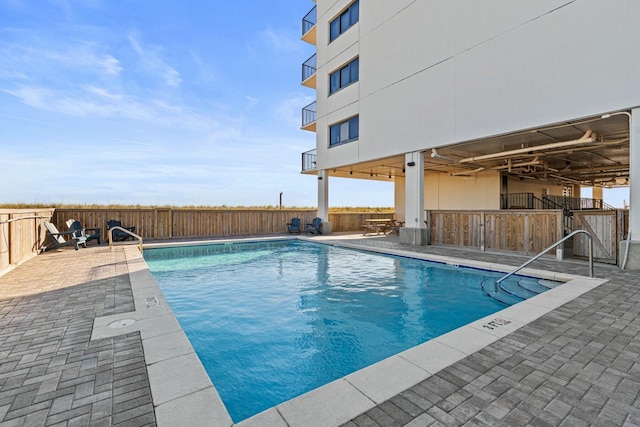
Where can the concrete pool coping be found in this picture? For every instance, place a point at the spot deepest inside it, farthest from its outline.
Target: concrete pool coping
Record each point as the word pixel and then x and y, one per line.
pixel 183 393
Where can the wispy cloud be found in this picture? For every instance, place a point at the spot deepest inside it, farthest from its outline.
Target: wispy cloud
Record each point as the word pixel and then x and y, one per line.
pixel 85 57
pixel 99 102
pixel 290 109
pixel 151 59
pixel 279 40
pixel 203 70
pixel 110 64
pixel 37 57
pixel 95 102
pixel 251 102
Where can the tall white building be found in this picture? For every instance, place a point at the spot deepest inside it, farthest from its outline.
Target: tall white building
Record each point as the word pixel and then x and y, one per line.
pixel 463 104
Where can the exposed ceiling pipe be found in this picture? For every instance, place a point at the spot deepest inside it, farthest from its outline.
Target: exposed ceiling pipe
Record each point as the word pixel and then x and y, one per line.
pixel 510 165
pixel 562 178
pixel 601 144
pixel 587 138
pixel 467 173
pixel 436 155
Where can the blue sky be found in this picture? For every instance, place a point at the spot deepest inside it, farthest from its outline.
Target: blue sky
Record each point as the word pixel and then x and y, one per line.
pixel 158 103
pixel 161 103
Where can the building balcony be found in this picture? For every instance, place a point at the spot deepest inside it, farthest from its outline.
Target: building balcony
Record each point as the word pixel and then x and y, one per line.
pixel 309 117
pixel 309 72
pixel 309 27
pixel 309 160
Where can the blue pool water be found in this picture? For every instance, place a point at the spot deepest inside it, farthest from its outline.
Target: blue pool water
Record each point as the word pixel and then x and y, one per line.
pixel 273 320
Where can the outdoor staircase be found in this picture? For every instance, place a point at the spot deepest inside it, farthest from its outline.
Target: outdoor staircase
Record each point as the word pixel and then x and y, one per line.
pixel 517 289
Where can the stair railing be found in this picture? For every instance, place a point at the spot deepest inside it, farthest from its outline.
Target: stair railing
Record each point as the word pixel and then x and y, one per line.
pixel 503 278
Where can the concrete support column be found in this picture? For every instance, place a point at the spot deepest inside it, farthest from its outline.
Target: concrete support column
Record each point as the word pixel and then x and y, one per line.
pixel 634 174
pixel 414 231
pixel 632 259
pixel 323 201
pixel 596 193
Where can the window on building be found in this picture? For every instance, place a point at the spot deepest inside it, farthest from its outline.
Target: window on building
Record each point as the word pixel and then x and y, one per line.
pixel 344 21
pixel 346 75
pixel 345 131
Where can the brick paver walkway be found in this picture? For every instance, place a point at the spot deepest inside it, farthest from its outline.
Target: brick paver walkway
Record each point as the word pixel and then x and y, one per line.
pixel 51 374
pixel 576 366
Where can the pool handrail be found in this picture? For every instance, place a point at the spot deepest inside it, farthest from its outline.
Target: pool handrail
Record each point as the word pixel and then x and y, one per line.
pixel 551 247
pixel 116 227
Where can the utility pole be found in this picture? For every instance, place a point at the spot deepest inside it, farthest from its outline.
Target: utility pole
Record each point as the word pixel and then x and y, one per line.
pixel 281 200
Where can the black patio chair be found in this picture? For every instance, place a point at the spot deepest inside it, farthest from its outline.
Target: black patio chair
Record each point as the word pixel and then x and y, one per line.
pixel 294 226
pixel 119 235
pixel 315 227
pixel 79 231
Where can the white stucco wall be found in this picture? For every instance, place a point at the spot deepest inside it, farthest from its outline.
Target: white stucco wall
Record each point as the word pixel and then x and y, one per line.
pixel 478 191
pixel 445 192
pixel 433 73
pixel 516 185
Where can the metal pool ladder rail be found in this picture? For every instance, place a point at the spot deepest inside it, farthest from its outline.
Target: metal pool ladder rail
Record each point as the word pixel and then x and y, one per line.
pixel 547 250
pixel 110 233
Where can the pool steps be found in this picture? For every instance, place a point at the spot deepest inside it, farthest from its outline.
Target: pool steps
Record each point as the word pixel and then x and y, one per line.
pixel 513 291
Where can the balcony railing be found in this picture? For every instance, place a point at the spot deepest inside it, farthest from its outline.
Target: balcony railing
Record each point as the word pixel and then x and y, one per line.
pixel 309 114
pixel 309 160
pixel 309 67
pixel 309 21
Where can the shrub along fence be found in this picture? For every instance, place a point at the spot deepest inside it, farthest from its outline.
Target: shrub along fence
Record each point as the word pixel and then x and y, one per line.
pixel 22 235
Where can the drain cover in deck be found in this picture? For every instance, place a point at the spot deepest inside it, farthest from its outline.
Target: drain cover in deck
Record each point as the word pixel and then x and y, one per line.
pixel 121 323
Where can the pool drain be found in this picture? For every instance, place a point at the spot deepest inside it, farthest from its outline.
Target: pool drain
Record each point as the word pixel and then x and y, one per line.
pixel 121 323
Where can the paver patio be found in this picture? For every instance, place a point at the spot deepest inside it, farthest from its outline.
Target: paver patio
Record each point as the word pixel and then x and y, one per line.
pixel 578 365
pixel 51 374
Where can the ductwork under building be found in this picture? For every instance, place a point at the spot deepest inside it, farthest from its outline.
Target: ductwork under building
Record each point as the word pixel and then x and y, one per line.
pixel 588 138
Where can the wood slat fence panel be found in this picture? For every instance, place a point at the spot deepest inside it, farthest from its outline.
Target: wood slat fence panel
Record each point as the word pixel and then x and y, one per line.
pixel 352 221
pixel 184 223
pixel 528 231
pixel 21 239
pixel 607 228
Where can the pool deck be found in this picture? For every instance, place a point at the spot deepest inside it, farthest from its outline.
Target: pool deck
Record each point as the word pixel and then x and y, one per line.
pixel 87 339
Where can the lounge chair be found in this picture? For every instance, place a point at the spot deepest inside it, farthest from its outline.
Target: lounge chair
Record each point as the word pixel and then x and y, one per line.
pixel 294 226
pixel 119 235
pixel 59 240
pixel 314 227
pixel 89 233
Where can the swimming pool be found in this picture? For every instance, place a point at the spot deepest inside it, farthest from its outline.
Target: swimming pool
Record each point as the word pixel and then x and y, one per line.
pixel 273 320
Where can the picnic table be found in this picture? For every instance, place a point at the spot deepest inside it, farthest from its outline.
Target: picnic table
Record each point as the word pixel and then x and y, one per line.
pixel 377 225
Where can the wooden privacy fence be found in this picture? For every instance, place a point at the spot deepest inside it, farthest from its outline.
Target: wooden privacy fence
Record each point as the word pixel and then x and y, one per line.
pixel 528 231
pixel 607 228
pixel 347 221
pixel 173 223
pixel 22 235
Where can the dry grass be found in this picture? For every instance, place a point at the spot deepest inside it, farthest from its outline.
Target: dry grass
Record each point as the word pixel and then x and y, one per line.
pixel 222 207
